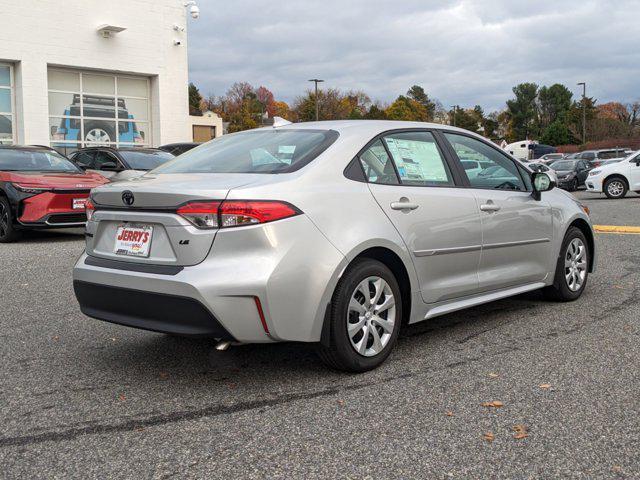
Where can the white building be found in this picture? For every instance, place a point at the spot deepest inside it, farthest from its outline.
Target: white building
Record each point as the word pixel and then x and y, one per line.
pixel 68 78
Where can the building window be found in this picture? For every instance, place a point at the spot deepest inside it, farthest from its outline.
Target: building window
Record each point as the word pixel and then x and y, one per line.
pixel 203 133
pixel 7 117
pixel 97 109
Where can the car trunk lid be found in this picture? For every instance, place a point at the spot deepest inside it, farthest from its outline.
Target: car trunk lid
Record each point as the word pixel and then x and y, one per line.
pixel 152 201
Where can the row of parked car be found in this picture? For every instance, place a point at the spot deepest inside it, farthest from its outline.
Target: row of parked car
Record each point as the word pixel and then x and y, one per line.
pixel 41 188
pixel 613 172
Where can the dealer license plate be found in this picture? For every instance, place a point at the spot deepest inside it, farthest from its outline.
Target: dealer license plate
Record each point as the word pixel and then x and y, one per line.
pixel 133 240
pixel 79 203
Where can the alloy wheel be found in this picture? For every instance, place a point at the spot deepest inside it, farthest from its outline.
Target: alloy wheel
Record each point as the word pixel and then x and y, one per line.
pixel 371 316
pixel 97 135
pixel 615 188
pixel 575 264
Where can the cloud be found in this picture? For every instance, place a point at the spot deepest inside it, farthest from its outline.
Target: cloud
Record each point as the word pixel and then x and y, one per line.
pixel 463 52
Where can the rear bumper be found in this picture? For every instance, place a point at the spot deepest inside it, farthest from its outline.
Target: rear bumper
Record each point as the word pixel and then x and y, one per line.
pixel 288 265
pixel 149 311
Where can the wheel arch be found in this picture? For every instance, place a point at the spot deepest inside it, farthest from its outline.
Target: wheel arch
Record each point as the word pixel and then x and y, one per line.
pixel 615 175
pixel 586 229
pixel 405 276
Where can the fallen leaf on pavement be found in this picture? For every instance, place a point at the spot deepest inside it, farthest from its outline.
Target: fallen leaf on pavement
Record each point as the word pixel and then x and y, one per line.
pixel 121 397
pixel 164 375
pixel 521 432
pixel 449 413
pixel 493 375
pixel 341 402
pixel 545 385
pixel 489 437
pixel 494 404
pixel 56 338
pixel 616 469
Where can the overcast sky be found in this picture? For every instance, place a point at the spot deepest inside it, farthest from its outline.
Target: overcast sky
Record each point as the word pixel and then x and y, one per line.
pixel 462 52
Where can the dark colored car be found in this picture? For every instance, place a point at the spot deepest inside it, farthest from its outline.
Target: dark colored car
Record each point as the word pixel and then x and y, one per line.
pixel 40 188
pixel 178 148
pixel 120 163
pixel 571 173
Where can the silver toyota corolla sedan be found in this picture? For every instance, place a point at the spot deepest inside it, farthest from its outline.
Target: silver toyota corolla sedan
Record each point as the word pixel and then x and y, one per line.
pixel 334 233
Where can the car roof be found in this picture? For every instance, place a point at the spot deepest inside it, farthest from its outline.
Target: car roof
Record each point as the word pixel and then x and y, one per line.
pixel 122 149
pixel 366 127
pixel 27 148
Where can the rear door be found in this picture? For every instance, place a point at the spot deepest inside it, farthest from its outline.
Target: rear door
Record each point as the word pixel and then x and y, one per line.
pixel 439 222
pixel 517 230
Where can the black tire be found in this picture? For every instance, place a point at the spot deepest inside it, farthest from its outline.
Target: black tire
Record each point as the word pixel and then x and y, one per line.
pixel 338 351
pixel 618 192
pixel 573 186
pixel 8 233
pixel 560 290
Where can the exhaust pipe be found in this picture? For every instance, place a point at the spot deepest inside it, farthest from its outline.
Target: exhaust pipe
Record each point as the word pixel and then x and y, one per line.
pixel 223 345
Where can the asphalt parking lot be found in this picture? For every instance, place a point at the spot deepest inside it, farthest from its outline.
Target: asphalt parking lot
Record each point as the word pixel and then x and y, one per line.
pixel 86 399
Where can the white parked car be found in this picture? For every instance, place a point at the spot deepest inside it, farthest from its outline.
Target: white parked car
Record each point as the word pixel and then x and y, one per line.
pixel 616 179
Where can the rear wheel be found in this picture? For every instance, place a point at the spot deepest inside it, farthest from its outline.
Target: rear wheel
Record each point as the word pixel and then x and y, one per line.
pixel 7 231
pixel 365 317
pixel 615 187
pixel 572 269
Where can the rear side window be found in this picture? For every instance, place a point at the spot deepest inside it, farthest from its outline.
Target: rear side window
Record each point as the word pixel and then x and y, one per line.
pixel 377 165
pixel 418 159
pixel 470 150
pixel 256 151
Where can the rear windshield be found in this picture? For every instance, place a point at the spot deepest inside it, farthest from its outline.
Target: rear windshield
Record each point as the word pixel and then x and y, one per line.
pixel 256 151
pixel 145 160
pixel 35 161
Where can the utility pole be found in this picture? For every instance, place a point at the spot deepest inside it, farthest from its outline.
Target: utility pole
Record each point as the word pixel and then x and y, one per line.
pixel 584 112
pixel 316 81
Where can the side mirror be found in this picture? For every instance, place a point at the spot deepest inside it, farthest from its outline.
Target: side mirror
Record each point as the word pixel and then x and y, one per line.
pixel 109 166
pixel 541 183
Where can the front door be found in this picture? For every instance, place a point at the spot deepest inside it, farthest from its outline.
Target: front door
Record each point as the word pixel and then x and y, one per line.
pixel 517 229
pixel 439 222
pixel 634 173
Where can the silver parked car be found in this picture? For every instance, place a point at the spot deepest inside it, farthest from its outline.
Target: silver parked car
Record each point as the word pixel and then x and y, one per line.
pixel 336 233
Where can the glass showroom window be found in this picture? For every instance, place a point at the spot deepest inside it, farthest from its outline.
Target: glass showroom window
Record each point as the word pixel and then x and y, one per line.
pixel 7 130
pixel 96 109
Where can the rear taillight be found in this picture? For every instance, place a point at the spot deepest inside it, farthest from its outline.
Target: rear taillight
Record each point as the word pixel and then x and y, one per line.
pixel 89 208
pixel 235 213
pixel 201 214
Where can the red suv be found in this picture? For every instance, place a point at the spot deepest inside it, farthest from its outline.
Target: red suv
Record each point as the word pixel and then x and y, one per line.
pixel 40 188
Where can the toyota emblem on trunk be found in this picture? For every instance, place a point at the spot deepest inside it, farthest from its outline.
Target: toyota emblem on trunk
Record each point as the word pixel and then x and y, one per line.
pixel 127 197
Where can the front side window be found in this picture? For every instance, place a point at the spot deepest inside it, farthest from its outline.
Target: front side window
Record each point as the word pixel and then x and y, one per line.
pixel 418 159
pixel 104 157
pixel 471 150
pixel 84 159
pixel 256 151
pixel 377 165
pixel 34 161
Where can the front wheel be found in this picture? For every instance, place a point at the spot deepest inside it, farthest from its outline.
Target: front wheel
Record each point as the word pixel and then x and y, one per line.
pixel 365 317
pixel 572 268
pixel 574 185
pixel 615 188
pixel 8 232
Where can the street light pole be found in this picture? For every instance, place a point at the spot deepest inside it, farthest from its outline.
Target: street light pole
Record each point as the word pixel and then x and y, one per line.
pixel 455 110
pixel 584 112
pixel 316 81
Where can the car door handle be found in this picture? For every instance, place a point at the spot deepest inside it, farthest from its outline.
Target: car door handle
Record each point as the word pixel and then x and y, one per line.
pixel 404 205
pixel 489 207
